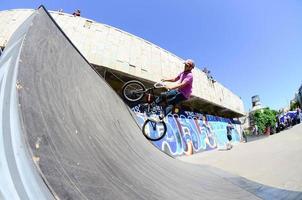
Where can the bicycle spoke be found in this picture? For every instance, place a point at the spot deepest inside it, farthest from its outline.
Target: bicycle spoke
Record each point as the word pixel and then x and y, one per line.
pixel 134 92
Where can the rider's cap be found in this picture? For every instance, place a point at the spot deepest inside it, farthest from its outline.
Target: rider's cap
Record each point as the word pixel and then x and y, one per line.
pixel 190 62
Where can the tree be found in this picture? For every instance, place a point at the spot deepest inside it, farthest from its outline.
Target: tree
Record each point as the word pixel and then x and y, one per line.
pixel 294 105
pixel 265 118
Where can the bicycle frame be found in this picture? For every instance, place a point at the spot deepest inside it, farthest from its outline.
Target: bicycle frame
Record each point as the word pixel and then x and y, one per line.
pixel 150 99
pixel 149 106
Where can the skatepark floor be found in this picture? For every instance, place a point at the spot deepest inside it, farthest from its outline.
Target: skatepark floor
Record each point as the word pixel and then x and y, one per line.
pixel 274 160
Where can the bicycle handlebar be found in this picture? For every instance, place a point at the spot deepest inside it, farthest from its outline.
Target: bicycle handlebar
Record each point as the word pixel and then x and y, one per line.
pixel 159 85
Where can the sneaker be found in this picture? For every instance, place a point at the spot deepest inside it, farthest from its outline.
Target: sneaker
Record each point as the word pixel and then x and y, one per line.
pixel 161 116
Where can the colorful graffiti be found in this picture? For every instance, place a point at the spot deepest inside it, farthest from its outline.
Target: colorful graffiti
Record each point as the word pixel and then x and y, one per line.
pixel 190 132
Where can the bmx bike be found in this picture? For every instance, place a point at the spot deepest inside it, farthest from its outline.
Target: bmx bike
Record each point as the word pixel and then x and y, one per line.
pixel 154 128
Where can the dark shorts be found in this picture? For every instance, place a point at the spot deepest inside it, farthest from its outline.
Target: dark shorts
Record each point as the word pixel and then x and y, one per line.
pixel 229 137
pixel 172 97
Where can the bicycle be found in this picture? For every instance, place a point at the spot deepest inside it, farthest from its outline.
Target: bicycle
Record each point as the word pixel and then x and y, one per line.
pixel 154 128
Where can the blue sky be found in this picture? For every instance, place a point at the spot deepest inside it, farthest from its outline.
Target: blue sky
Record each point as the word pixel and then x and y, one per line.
pixel 251 47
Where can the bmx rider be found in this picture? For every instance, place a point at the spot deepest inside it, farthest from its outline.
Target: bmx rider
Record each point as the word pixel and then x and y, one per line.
pixel 181 91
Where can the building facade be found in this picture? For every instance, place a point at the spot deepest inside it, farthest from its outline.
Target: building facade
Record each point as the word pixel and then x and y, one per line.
pixel 120 56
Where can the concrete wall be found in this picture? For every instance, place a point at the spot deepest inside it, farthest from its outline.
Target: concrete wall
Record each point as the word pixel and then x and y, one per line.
pixel 104 45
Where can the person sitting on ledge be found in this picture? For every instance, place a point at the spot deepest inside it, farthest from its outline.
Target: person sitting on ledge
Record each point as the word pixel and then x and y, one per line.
pixel 77 13
pixel 209 76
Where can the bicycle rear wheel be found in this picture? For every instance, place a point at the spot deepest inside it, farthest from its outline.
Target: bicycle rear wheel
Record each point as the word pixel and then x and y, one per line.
pixel 133 91
pixel 154 130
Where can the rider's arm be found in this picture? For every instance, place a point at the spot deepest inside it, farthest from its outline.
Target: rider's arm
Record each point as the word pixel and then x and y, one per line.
pixel 168 80
pixel 172 79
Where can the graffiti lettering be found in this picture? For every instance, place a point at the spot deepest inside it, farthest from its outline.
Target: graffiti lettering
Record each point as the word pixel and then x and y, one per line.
pixel 190 133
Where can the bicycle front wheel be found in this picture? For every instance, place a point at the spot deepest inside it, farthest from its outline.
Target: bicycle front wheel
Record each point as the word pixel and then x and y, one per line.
pixel 133 91
pixel 154 130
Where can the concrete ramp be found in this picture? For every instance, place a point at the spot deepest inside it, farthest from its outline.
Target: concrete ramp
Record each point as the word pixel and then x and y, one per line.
pixel 67 135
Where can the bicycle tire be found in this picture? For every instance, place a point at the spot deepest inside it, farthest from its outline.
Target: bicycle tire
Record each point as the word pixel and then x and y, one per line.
pixel 133 97
pixel 146 130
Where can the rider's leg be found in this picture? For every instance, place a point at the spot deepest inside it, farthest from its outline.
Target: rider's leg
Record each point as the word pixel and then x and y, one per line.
pixel 168 109
pixel 177 98
pixel 166 95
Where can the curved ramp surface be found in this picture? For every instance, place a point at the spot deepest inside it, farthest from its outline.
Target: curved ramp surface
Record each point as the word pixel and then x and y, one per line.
pixel 83 140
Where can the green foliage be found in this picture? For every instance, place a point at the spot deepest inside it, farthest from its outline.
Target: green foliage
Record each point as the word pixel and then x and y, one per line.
pixel 294 105
pixel 265 118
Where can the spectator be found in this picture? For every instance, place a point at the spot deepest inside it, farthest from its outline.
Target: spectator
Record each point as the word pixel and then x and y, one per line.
pixel 255 130
pixel 205 70
pixel 289 121
pixel 208 73
pixel 298 115
pixel 229 129
pixel 244 137
pixel 277 126
pixel 285 121
pixel 77 13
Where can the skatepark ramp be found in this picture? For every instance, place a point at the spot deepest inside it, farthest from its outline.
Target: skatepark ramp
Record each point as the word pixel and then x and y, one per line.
pixel 65 134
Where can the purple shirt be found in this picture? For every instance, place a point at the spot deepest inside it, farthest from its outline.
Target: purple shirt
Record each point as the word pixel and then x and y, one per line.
pixel 185 77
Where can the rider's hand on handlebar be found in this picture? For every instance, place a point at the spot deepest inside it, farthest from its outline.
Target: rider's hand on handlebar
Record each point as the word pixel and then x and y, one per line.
pixel 167 88
pixel 162 80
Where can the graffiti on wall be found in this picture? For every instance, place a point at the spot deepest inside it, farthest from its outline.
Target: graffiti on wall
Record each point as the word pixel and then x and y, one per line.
pixel 190 132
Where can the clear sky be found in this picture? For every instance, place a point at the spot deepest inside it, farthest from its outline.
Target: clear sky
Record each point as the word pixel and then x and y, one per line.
pixel 251 47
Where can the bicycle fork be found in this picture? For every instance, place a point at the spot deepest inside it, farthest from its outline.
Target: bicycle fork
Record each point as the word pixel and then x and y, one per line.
pixel 149 102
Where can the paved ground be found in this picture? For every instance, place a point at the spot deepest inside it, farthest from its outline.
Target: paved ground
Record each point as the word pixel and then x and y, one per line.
pixel 275 160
